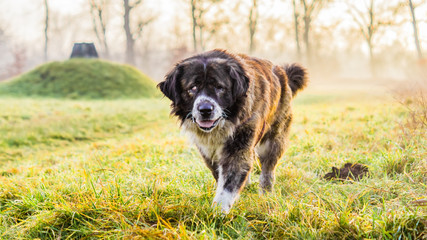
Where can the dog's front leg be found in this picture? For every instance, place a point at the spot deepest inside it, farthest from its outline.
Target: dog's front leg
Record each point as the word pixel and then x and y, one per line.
pixel 233 173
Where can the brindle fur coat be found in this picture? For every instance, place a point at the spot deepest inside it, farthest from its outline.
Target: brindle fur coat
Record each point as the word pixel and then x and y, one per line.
pixel 234 107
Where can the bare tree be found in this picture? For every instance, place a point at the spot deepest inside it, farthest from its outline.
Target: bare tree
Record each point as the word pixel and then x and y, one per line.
pixel 253 20
pixel 198 9
pixel 310 10
pixel 370 21
pixel 367 26
pixel 296 26
pixel 99 19
pixel 130 41
pixel 131 36
pixel 194 21
pixel 414 25
pixel 46 28
pixel 306 11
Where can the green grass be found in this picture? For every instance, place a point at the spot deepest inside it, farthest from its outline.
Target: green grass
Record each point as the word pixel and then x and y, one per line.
pixel 81 79
pixel 121 169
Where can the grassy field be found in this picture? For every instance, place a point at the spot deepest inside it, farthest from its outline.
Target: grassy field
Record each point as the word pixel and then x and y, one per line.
pixel 122 169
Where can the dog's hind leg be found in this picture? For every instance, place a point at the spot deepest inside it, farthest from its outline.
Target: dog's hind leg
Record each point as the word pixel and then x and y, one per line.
pixel 269 153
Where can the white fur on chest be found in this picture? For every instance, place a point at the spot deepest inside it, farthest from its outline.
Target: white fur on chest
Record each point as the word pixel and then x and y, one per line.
pixel 209 144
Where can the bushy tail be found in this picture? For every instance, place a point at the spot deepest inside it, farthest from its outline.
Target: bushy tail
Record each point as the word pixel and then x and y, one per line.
pixel 297 77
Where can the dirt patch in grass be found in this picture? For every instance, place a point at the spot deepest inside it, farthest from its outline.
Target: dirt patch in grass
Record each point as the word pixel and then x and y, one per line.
pixel 350 171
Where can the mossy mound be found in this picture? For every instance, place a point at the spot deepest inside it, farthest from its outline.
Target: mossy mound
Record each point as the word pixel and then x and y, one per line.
pixel 82 78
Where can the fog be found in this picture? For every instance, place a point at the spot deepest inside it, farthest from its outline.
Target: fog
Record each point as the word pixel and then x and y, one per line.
pixel 338 51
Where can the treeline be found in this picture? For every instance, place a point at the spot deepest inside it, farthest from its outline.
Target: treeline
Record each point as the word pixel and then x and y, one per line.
pixel 151 34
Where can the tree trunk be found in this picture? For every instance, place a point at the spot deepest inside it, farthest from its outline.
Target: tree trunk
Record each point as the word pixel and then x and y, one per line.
pixel 414 25
pixel 296 24
pixel 99 9
pixel 130 41
pixel 46 27
pixel 370 37
pixel 201 42
pixel 307 22
pixel 104 32
pixel 253 20
pixel 372 64
pixel 193 16
pixel 95 25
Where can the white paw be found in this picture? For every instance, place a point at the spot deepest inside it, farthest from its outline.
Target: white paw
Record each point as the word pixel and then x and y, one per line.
pixel 224 201
pixel 220 206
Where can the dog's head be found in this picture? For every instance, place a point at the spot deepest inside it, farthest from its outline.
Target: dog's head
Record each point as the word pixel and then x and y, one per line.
pixel 205 87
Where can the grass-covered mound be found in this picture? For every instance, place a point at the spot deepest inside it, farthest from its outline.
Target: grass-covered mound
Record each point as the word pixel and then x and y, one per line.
pixel 81 78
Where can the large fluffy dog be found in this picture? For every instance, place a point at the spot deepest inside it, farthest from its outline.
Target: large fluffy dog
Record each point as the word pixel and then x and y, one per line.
pixel 233 106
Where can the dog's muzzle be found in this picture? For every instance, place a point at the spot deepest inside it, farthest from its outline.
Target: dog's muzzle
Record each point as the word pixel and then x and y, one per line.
pixel 206 113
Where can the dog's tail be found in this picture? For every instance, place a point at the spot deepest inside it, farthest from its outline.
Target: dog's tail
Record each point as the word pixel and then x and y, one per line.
pixel 297 77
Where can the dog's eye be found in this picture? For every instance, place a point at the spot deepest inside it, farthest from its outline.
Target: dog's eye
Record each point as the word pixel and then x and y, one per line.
pixel 193 90
pixel 219 89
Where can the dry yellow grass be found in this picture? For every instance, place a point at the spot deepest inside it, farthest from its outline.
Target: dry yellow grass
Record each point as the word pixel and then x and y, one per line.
pixel 121 169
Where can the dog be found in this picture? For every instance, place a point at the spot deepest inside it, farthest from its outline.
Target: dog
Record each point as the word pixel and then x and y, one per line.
pixel 234 108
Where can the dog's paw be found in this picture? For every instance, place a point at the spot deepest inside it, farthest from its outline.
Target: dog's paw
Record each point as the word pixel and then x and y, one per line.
pixel 223 201
pixel 223 208
pixel 264 191
pixel 266 182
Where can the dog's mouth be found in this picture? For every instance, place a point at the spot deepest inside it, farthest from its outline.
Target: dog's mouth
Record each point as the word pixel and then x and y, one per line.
pixel 207 125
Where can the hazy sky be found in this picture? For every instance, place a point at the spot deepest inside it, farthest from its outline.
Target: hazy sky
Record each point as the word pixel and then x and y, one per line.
pixel 24 21
pixel 26 16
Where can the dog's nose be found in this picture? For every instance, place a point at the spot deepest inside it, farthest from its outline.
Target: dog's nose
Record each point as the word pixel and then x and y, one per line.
pixel 205 109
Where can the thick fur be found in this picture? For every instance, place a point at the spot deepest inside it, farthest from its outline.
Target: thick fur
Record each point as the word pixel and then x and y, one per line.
pixel 234 107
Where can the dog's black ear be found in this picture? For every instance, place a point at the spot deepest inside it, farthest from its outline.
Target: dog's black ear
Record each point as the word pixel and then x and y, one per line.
pixel 241 80
pixel 170 86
